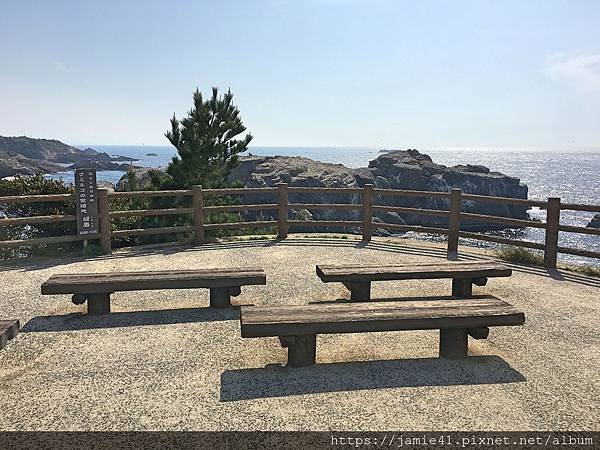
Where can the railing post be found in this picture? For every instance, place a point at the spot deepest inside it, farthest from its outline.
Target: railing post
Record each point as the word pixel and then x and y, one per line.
pixel 282 210
pixel 454 223
pixel 552 223
pixel 103 210
pixel 198 215
pixel 367 212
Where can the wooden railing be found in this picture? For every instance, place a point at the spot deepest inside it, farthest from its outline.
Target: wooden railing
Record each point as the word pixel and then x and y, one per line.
pixel 282 205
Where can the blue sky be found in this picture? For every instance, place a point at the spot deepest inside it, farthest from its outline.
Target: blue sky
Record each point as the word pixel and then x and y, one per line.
pixel 393 74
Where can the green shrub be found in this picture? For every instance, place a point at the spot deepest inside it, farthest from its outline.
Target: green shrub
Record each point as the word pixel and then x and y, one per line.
pixel 92 250
pixel 36 185
pixel 520 255
pixel 587 270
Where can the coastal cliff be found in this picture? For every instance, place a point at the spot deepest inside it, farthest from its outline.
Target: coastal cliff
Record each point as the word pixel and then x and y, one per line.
pixel 408 169
pixel 21 155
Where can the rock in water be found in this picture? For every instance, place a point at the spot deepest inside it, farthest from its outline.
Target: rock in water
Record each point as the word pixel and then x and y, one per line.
pixel 595 222
pixel 392 170
pixel 408 169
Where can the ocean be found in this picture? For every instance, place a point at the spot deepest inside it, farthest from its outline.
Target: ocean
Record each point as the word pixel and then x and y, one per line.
pixel 574 176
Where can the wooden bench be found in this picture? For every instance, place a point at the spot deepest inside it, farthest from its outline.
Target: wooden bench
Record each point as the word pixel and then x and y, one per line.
pixel 358 278
pixel 97 287
pixel 8 330
pixel 297 326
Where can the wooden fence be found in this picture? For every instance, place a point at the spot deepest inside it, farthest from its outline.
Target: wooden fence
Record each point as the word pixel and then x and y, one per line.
pixel 368 206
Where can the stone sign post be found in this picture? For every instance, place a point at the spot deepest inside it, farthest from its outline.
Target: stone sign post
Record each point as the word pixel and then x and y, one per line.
pixel 86 194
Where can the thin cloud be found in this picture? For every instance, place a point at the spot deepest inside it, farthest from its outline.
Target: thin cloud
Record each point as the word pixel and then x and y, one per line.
pixel 60 66
pixel 580 70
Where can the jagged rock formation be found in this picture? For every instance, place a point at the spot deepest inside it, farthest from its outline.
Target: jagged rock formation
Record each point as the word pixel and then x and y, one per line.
pixel 22 155
pixel 101 165
pixel 12 164
pixel 392 170
pixel 595 222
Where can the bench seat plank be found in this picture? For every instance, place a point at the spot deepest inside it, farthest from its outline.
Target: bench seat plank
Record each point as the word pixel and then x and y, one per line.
pixel 358 273
pixel 332 318
pixel 95 283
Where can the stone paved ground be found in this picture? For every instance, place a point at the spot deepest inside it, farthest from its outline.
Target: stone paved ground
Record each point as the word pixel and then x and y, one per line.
pixel 163 361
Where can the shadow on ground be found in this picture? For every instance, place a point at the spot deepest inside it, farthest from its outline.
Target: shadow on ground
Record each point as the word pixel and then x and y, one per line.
pixel 79 321
pixel 277 381
pixel 399 247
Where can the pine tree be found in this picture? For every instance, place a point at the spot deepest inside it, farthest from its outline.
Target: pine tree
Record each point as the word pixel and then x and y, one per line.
pixel 206 142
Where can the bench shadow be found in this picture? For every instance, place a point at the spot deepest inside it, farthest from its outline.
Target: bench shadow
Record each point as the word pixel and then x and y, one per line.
pixel 277 381
pixel 80 321
pixel 399 246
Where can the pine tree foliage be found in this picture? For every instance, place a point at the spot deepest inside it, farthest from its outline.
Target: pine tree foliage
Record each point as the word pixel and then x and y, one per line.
pixel 206 142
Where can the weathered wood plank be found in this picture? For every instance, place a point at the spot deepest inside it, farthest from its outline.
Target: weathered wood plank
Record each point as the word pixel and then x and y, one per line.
pixel 331 318
pixel 478 269
pixel 36 219
pixel 90 283
pixel 37 198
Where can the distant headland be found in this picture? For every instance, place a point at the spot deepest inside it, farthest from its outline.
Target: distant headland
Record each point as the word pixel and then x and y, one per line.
pixel 22 155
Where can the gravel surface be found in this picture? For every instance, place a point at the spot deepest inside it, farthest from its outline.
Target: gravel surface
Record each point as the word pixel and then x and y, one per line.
pixel 164 361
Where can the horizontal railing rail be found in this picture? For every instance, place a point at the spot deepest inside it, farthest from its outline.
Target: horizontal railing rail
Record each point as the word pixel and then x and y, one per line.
pixel 453 215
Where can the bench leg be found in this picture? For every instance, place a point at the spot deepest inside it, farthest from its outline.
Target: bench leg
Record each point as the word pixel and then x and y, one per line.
pixel 98 304
pixel 220 298
pixel 359 292
pixel 302 350
pixel 453 343
pixel 462 287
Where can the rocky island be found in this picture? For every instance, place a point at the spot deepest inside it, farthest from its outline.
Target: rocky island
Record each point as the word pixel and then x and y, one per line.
pixel 595 222
pixel 21 155
pixel 407 169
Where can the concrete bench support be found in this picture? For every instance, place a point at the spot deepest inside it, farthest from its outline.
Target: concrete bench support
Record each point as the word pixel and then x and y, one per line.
pixel 453 343
pixel 463 287
pixel 221 297
pixel 8 330
pixel 98 304
pixel 359 292
pixel 302 350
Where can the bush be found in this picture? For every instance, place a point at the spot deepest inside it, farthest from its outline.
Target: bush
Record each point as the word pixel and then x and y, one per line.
pixel 520 255
pixel 36 185
pixel 587 270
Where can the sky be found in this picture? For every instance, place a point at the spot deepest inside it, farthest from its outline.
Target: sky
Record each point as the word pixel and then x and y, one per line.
pixel 382 74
